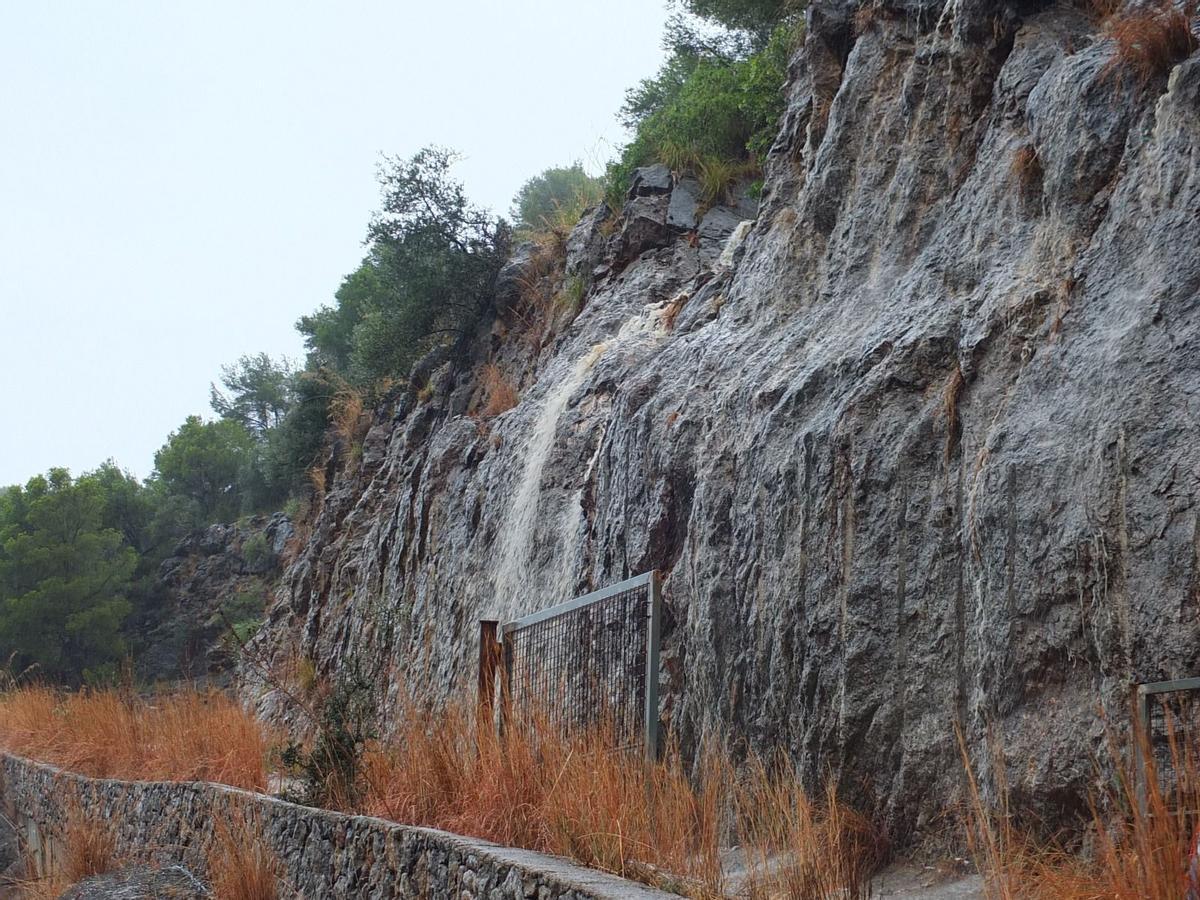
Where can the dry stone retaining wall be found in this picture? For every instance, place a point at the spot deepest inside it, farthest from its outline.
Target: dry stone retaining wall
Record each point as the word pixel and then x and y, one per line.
pixel 321 853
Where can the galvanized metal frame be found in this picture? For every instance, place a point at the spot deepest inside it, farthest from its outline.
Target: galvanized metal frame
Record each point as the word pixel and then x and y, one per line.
pixel 651 581
pixel 1142 695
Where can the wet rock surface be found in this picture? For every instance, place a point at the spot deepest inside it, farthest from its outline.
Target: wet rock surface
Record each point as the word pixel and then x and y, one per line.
pixel 928 455
pixel 216 578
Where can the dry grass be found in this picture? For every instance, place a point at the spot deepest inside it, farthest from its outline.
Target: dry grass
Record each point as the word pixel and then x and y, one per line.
pixel 240 865
pixel 805 848
pixel 532 786
pixel 1027 168
pixel 1143 849
pixel 1151 40
pixel 89 846
pixel 499 394
pixel 613 810
pixel 100 733
pixel 952 393
pixel 348 415
pixel 317 478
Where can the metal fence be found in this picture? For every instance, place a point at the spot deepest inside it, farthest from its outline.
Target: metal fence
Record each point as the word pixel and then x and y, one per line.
pixel 590 662
pixel 1168 715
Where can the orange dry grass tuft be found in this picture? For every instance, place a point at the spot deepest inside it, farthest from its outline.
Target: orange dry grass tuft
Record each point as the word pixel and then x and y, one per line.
pixel 572 795
pixel 347 414
pixel 90 846
pixel 240 865
pixel 1144 844
pixel 805 848
pixel 1152 40
pixel 500 395
pixel 183 737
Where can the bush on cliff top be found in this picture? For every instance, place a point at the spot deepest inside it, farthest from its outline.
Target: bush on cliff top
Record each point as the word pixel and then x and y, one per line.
pixel 710 102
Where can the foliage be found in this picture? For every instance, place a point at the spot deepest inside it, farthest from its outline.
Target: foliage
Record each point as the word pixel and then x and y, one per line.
pixel 256 551
pixel 186 736
pixel 258 393
pixel 547 197
pixel 332 770
pixel 709 105
pixel 204 463
pixel 65 578
pixel 427 279
pixel 1151 40
pixel 756 18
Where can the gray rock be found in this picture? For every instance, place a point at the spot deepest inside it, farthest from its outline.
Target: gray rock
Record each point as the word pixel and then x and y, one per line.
pixel 651 180
pixel 685 204
pixel 927 456
pixel 587 243
pixel 645 224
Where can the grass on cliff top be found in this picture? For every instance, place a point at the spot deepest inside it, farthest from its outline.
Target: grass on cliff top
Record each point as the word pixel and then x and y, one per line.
pixel 188 736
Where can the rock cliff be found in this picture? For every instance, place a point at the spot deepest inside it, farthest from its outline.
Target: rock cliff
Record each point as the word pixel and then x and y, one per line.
pixel 922 449
pixel 217 581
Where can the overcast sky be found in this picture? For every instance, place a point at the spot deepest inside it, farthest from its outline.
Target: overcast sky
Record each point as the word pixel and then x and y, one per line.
pixel 179 181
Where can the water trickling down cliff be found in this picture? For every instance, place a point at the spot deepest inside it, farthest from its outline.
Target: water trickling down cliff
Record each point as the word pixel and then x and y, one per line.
pixel 927 453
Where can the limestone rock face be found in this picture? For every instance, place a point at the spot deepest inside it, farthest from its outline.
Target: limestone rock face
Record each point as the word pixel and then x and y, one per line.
pixel 216 578
pixel 928 453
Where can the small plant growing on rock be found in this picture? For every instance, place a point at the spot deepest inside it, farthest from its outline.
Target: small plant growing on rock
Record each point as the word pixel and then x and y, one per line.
pixel 1027 168
pixel 1152 40
pixel 256 552
pixel 332 769
pixel 499 394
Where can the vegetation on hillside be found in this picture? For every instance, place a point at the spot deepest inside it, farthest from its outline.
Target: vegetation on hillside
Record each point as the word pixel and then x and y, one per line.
pixel 713 108
pixel 78 555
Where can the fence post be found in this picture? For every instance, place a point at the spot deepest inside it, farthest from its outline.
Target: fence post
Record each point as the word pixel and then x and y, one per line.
pixel 653 626
pixel 489 664
pixel 1141 743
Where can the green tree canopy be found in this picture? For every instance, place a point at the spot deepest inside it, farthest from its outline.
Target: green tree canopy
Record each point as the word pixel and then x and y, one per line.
pixel 65 577
pixel 555 193
pixel 258 392
pixel 204 462
pixel 757 18
pixel 428 277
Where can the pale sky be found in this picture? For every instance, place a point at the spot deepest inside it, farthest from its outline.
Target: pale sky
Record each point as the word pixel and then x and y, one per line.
pixel 181 180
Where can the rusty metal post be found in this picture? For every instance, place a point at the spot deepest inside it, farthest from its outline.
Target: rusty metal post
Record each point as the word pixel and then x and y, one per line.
pixel 489 665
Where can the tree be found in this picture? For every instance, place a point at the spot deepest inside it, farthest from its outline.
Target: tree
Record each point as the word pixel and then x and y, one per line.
pixel 757 18
pixel 428 277
pixel 258 392
pixel 204 462
pixel 556 192
pixel 64 577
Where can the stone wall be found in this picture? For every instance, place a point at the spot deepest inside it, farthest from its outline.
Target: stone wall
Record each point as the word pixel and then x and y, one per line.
pixel 321 853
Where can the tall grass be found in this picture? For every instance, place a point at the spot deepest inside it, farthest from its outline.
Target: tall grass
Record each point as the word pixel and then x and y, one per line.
pixel 662 822
pixel 240 865
pixel 1144 830
pixel 1151 40
pixel 187 736
pixel 532 785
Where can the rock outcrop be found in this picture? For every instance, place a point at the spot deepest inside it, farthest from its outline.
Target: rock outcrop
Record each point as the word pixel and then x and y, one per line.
pixel 217 580
pixel 926 454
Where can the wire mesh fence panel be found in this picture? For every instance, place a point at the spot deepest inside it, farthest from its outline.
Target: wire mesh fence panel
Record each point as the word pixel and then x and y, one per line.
pixel 591 663
pixel 1169 714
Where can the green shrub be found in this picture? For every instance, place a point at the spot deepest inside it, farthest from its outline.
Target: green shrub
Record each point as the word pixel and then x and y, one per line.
pixel 256 551
pixel 332 770
pixel 555 197
pixel 428 277
pixel 707 111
